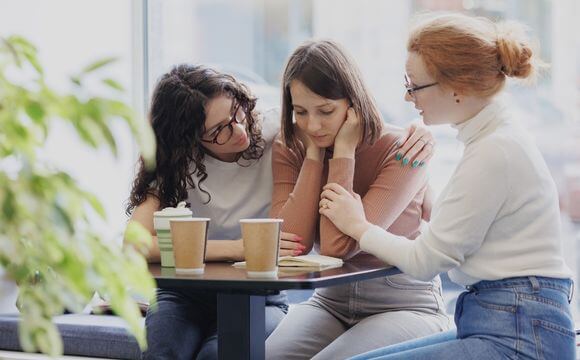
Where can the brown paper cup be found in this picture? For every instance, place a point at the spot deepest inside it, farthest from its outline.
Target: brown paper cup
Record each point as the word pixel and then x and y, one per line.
pixel 261 245
pixel 189 237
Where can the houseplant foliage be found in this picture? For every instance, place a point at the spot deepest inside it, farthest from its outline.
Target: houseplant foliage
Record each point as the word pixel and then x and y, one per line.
pixel 49 244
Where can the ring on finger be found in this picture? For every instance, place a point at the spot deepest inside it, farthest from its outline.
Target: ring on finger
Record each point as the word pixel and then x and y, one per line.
pixel 325 205
pixel 424 142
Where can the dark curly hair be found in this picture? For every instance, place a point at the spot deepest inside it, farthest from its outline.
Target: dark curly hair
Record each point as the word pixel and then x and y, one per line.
pixel 177 117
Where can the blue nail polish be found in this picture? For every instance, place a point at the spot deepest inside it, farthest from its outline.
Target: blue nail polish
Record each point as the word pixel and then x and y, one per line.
pixel 405 161
pixel 399 156
pixel 415 163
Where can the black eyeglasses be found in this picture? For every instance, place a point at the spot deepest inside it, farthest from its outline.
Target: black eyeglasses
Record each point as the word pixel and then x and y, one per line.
pixel 411 90
pixel 223 133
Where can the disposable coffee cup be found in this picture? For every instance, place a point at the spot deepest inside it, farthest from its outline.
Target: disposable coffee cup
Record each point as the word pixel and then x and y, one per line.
pixel 161 224
pixel 261 245
pixel 189 237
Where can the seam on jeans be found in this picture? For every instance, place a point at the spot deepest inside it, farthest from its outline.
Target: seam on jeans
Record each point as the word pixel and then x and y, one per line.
pixel 554 327
pixel 407 287
pixel 538 341
pixel 518 325
pixel 432 291
pixel 350 300
pixel 522 285
pixel 355 302
pixel 510 309
pixel 543 300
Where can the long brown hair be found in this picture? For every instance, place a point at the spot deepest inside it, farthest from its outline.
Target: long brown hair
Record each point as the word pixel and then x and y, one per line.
pixel 472 55
pixel 328 71
pixel 177 116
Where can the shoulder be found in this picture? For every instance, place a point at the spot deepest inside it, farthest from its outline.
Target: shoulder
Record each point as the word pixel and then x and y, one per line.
pixel 491 152
pixel 281 154
pixel 270 122
pixel 386 144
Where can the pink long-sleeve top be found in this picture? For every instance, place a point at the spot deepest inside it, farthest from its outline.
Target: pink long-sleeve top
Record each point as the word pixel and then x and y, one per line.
pixel 393 195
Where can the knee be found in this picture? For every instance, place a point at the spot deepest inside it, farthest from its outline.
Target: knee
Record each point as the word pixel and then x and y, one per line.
pixel 209 350
pixel 274 315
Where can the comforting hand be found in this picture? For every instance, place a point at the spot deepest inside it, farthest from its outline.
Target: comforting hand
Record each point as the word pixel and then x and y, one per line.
pixel 290 245
pixel 416 146
pixel 349 135
pixel 344 210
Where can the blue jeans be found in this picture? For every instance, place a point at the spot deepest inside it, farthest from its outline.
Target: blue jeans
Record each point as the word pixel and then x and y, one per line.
pixel 523 318
pixel 184 326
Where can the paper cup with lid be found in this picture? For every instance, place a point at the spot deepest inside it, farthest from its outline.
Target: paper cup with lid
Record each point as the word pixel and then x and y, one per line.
pixel 162 228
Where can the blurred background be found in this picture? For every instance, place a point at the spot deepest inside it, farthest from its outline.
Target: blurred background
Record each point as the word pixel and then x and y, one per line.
pixel 252 38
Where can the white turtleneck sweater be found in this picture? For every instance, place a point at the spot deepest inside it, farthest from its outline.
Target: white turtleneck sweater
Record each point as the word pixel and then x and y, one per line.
pixel 498 217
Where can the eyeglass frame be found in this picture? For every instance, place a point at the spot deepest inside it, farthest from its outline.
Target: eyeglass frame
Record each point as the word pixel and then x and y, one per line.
pixel 233 118
pixel 411 90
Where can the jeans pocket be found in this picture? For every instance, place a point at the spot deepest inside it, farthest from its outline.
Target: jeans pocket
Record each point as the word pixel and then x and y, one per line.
pixel 553 341
pixel 406 282
pixel 496 300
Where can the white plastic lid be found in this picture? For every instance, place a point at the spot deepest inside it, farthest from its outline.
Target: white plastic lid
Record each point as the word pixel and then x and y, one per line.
pixel 179 210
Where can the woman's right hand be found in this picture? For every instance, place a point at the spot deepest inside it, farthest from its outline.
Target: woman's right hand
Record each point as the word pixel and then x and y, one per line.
pixel 290 245
pixel 312 150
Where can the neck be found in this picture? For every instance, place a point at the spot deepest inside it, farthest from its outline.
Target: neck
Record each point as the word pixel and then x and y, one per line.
pixel 473 106
pixel 228 157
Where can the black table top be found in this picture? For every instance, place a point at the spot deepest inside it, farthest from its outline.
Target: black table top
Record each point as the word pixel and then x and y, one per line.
pixel 222 276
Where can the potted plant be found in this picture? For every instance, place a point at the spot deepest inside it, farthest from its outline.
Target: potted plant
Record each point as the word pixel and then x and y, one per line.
pixel 48 243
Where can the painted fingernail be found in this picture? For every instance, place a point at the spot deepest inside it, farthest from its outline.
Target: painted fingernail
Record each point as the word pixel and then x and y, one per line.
pixel 297 252
pixel 405 161
pixel 422 163
pixel 399 156
pixel 415 163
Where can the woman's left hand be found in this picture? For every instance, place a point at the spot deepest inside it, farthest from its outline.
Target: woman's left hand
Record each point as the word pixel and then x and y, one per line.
pixel 416 147
pixel 345 210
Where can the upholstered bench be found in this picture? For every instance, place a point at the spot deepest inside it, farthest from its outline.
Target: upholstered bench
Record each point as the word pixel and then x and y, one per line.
pixel 100 336
pixel 96 336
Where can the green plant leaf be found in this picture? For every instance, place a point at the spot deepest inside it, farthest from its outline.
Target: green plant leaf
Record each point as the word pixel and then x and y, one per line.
pixel 113 84
pixel 99 64
pixel 35 111
pixel 48 244
pixel 96 204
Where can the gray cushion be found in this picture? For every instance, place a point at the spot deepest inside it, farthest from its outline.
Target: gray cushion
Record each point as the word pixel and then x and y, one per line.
pixel 102 336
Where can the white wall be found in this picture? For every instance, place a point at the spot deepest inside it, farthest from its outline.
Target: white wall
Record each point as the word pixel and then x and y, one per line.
pixel 69 35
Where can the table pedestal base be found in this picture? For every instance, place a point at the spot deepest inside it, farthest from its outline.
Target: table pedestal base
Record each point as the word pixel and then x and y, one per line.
pixel 241 326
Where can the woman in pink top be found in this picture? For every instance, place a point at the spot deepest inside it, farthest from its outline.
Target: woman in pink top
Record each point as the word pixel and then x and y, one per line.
pixel 338 137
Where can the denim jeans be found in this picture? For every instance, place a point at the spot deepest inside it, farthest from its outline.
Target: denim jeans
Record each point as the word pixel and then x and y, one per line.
pixel 515 318
pixel 344 320
pixel 184 326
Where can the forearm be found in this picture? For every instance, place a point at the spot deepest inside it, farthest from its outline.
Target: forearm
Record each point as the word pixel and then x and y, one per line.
pixel 297 202
pixel 332 241
pixel 217 250
pixel 153 254
pixel 420 258
pixel 224 250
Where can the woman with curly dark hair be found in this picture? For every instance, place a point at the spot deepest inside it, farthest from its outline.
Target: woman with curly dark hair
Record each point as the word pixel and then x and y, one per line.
pixel 213 151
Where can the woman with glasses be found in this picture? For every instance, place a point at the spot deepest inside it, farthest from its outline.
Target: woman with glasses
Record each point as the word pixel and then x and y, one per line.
pixel 214 151
pixel 332 131
pixel 496 225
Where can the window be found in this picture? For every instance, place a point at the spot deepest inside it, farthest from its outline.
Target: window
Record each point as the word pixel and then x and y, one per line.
pixel 252 39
